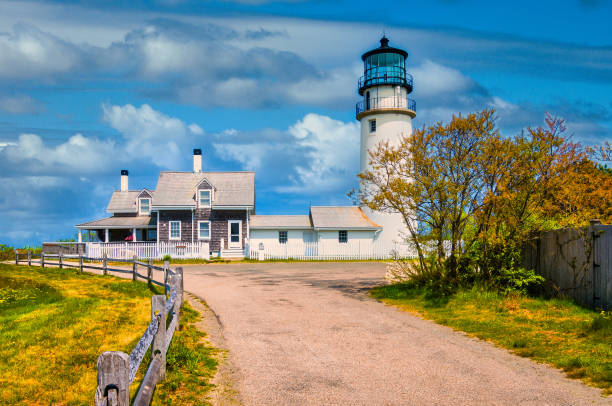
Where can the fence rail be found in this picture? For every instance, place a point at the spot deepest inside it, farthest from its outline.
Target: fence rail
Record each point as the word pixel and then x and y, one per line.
pixel 117 370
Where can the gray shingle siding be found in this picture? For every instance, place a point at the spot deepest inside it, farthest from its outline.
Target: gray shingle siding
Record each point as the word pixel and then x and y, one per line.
pixel 218 224
pixel 184 216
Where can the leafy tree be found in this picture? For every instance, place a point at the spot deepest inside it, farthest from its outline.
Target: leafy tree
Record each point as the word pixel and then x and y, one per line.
pixel 471 198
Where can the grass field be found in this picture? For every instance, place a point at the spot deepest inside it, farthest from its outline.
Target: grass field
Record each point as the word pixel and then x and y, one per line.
pixel 54 323
pixel 556 332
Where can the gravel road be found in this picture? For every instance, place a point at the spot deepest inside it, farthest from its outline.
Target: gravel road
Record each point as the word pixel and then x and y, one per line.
pixel 307 334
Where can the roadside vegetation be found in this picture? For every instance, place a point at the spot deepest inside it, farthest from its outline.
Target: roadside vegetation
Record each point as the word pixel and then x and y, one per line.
pixel 54 323
pixel 553 331
pixel 472 201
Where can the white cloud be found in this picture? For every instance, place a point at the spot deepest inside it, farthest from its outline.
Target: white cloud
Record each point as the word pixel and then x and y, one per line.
pixel 78 154
pixel 28 52
pixel 333 153
pixel 317 154
pixel 150 134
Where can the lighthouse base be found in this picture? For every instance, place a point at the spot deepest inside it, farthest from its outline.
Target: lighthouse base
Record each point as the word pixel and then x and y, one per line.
pixel 394 233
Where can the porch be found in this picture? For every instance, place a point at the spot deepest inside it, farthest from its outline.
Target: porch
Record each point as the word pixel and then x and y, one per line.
pixel 120 229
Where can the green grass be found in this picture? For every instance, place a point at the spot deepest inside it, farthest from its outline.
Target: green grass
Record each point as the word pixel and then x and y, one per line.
pixel 552 331
pixel 54 323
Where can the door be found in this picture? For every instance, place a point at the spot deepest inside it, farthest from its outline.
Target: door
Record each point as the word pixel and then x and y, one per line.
pixel 234 229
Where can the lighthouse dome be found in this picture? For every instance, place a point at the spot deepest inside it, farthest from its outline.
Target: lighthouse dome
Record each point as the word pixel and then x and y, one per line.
pixel 385 65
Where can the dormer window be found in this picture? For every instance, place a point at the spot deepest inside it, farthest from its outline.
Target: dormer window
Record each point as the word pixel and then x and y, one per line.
pixel 145 206
pixel 204 198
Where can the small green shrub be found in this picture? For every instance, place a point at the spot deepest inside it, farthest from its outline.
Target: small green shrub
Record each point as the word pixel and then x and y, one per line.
pixel 167 257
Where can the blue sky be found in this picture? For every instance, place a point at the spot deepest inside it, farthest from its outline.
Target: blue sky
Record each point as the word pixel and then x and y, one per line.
pixel 88 88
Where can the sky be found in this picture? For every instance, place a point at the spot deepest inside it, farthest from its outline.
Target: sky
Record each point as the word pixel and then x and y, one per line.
pixel 88 88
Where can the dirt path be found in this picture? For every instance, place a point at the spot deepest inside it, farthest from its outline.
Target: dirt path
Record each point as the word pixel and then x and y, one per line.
pixel 307 334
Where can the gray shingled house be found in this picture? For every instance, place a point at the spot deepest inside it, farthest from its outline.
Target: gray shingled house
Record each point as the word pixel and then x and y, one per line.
pixel 211 208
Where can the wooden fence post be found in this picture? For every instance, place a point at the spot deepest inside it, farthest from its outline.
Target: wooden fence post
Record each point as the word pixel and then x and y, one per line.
pixel 29 258
pixel 16 258
pixel 158 307
pixel 42 260
pixel 149 271
pixel 113 379
pixel 60 260
pixel 179 285
pixel 104 267
pixel 166 266
pixel 80 263
pixel 134 268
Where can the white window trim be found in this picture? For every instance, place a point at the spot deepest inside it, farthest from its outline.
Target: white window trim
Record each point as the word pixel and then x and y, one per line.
pixel 209 230
pixel 170 237
pixel 210 197
pixel 140 199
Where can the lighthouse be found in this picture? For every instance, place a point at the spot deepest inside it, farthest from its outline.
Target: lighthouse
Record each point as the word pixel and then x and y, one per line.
pixel 385 114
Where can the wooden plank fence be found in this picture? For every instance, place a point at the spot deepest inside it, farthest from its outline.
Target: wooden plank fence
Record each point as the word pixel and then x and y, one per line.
pixel 117 370
pixel 576 262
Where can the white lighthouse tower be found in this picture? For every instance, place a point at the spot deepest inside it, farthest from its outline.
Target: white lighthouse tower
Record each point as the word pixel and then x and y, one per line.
pixel 385 114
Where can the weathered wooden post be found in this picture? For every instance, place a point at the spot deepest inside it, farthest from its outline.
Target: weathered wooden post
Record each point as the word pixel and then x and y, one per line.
pixel 60 263
pixel 134 268
pixel 80 263
pixel 29 258
pixel 42 260
pixel 16 257
pixel 180 284
pixel 166 266
pixel 104 267
pixel 177 283
pixel 149 270
pixel 113 379
pixel 158 307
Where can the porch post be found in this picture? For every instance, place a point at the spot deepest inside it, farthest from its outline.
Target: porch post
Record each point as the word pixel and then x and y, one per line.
pixel 134 234
pixel 106 235
pixel 80 236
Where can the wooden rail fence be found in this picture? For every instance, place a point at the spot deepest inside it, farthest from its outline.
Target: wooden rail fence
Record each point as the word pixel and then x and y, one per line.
pixel 117 370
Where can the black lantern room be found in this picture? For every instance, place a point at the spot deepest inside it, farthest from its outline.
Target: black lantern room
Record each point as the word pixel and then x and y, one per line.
pixel 385 66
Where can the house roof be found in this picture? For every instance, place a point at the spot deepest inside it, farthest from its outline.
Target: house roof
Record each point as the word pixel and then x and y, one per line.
pixel 123 201
pixel 280 221
pixel 120 222
pixel 341 217
pixel 231 188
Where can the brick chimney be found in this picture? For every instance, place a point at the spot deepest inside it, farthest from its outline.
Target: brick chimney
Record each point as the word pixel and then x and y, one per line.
pixel 197 160
pixel 124 180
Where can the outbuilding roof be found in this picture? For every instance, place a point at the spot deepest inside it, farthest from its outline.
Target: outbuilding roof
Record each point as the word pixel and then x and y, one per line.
pixel 120 222
pixel 280 221
pixel 341 217
pixel 231 188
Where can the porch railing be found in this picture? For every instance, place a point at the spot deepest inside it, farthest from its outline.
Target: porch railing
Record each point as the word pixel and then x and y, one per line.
pixel 146 250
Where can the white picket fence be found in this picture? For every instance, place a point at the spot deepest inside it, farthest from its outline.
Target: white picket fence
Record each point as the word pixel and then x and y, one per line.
pixel 331 250
pixel 146 250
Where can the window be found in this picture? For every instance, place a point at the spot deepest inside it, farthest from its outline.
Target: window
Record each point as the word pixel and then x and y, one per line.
pixel 372 126
pixel 342 236
pixel 204 198
pixel 175 230
pixel 145 207
pixel 282 237
pixel 203 230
